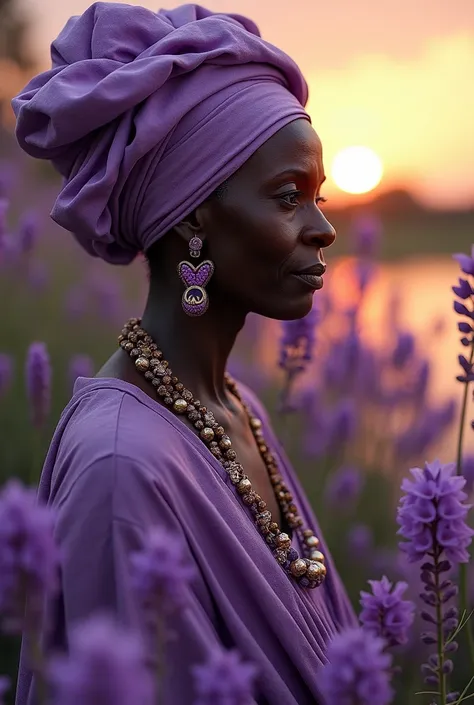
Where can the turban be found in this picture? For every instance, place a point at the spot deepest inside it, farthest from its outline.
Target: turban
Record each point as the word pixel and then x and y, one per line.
pixel 145 113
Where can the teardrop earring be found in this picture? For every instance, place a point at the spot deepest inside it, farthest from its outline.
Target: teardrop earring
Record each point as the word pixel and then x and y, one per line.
pixel 195 300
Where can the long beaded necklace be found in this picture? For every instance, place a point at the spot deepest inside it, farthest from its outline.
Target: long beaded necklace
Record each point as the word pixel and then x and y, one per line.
pixel 308 571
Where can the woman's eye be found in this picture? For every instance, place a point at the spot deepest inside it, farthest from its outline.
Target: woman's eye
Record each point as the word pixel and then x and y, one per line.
pixel 295 194
pixel 291 194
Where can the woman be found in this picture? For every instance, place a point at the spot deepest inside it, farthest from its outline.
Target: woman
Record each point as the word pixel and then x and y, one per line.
pixel 182 134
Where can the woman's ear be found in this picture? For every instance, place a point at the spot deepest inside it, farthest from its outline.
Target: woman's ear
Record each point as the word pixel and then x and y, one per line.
pixel 190 226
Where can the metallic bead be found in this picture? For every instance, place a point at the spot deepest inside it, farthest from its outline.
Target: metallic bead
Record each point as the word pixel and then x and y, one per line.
pixel 142 364
pixel 216 452
pixel 199 424
pixel 225 443
pixel 174 380
pixel 231 454
pixel 274 527
pixel 207 434
pixel 316 555
pixel 255 422
pixel 120 338
pixel 169 388
pixel 157 367
pixel 262 505
pixel 235 471
pixel 132 337
pixel 168 400
pixel 149 375
pixel 298 567
pixel 146 352
pixel 193 415
pixel 128 346
pixel 276 479
pixel 307 533
pixel 157 354
pixel 316 571
pixel 312 542
pixel 262 448
pixel 133 321
pixel 148 339
pixel 156 383
pixel 283 541
pixel 180 406
pixel 176 395
pixel 166 379
pixel 244 486
pixel 125 332
pixel 161 390
pixel 250 497
pixel 280 555
pixel 264 518
pixel 219 431
pixel 187 395
pixel 197 403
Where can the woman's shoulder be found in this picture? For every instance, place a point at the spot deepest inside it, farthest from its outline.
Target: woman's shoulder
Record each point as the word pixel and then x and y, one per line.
pixel 109 423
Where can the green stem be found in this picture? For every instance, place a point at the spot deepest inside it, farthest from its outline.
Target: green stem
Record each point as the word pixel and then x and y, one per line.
pixel 439 621
pixel 38 665
pixel 463 577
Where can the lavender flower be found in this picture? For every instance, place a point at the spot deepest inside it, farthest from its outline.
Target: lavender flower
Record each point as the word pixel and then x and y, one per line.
pixel 4 686
pixel 105 666
pixel 161 573
pixel 432 517
pixel 358 671
pixel 404 350
pixel 297 342
pixel 344 486
pixel 224 680
pixel 38 383
pixel 464 290
pixel 359 540
pixel 366 236
pixel 28 231
pixel 465 262
pixel 29 557
pixel 80 366
pixel 4 205
pixel 6 372
pixel 385 613
pixel 432 512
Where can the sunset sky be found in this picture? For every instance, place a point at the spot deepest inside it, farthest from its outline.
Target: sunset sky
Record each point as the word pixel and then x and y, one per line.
pixel 392 75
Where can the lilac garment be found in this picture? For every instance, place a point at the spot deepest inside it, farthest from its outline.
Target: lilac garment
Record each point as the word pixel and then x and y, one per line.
pixel 120 463
pixel 145 113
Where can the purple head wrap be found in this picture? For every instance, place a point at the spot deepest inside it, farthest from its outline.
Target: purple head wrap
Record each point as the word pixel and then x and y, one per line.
pixel 144 114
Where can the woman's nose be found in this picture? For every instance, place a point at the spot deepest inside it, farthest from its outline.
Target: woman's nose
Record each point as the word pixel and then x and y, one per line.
pixel 320 232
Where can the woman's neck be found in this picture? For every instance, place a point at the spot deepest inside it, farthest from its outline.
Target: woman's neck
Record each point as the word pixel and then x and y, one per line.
pixel 197 348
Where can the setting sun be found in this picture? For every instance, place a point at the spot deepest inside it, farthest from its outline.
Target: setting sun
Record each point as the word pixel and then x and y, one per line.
pixel 356 169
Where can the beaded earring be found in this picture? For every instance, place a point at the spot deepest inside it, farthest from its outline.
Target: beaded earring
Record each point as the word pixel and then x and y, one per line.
pixel 195 300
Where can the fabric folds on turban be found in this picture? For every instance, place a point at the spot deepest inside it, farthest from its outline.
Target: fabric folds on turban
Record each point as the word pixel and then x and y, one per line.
pixel 144 114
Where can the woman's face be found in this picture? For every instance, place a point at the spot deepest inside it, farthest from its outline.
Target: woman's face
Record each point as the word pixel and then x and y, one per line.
pixel 268 227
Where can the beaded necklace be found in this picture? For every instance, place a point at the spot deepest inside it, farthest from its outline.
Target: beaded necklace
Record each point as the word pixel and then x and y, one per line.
pixel 309 570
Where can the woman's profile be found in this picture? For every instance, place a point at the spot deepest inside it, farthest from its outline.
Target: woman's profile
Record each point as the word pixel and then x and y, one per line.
pixel 182 135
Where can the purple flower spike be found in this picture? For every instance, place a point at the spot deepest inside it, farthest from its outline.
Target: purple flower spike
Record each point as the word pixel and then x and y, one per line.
pixel 432 513
pixel 297 342
pixel 105 666
pixel 38 383
pixel 224 680
pixel 29 557
pixel 6 372
pixel 385 613
pixel 344 486
pixel 28 231
pixel 464 290
pixel 465 262
pixel 80 366
pixel 161 573
pixel 462 310
pixel 357 671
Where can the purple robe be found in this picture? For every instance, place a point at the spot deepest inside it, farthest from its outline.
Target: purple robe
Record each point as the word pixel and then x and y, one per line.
pixel 120 463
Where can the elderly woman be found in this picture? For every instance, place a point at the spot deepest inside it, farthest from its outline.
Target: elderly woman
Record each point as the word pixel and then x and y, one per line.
pixel 182 135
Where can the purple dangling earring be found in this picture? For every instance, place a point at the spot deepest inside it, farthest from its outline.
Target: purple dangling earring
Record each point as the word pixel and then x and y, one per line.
pixel 195 300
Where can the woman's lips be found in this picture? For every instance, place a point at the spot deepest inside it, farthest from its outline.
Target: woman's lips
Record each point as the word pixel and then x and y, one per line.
pixel 312 280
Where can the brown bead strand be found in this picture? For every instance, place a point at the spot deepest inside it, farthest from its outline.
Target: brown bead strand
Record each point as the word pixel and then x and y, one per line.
pixel 308 571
